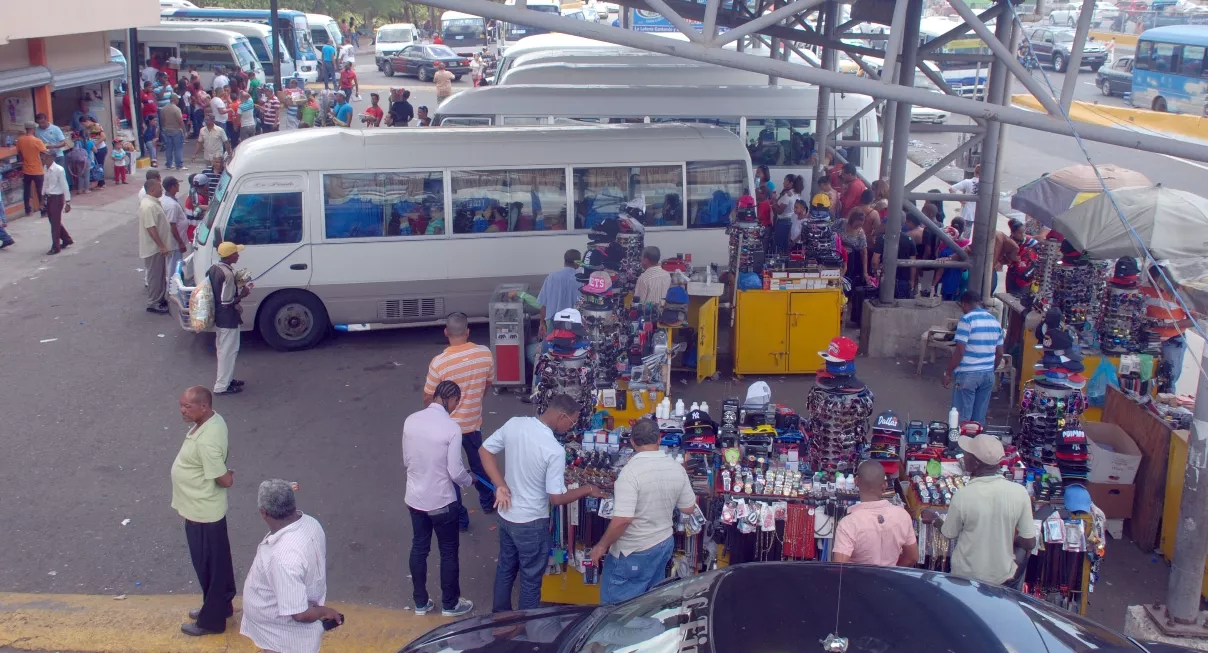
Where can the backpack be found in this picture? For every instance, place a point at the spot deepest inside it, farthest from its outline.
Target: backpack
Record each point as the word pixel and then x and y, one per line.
pixel 1023 270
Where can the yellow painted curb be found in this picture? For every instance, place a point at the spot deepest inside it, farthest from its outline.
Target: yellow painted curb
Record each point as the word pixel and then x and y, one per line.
pixel 151 624
pixel 1108 116
pixel 1123 40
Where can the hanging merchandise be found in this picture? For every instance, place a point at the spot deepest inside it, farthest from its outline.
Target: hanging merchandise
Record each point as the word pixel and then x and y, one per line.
pixel 632 239
pixel 839 406
pixel 1121 328
pixel 1078 286
pixel 565 366
pixel 817 235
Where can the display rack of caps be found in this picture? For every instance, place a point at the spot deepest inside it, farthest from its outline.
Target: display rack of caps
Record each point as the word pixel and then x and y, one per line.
pixel 1060 366
pixel 599 304
pixel 1049 429
pixel 565 366
pixel 675 308
pixel 886 443
pixel 1122 327
pixel 839 407
pixel 818 236
pixel 748 241
pixel 620 241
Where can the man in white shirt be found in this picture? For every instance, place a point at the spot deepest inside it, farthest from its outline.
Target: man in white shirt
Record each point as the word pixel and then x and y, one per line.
pixel 176 218
pixel 348 54
pixel 535 479
pixel 220 80
pixel 968 186
pixel 286 585
pixel 154 234
pixel 148 73
pixel 212 141
pixel 218 109
pixel 57 201
pixel 639 538
pixel 654 282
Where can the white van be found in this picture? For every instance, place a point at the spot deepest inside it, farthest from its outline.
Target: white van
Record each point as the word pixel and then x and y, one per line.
pixel 202 47
pixel 778 123
pixel 260 37
pixel 340 230
pixel 645 71
pixel 324 29
pixel 390 39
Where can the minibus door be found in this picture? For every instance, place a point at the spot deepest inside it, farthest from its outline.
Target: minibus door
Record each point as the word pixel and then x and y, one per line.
pixel 266 217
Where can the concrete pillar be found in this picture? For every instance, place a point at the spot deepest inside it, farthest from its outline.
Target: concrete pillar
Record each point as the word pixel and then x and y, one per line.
pixel 37 57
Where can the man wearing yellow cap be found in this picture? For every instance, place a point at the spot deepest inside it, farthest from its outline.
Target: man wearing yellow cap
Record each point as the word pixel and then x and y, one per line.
pixel 228 315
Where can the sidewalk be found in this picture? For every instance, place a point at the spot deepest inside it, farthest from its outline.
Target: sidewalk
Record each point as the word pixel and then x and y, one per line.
pixel 92 214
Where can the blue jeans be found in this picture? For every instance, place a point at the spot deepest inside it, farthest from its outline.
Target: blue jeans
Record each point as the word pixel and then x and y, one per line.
pixel 174 146
pixel 1173 350
pixel 198 119
pixel 329 74
pixel 628 576
pixel 524 551
pixel 971 395
pixel 4 237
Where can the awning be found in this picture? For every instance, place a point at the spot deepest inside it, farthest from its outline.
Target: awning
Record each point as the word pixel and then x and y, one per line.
pixel 22 78
pixel 90 75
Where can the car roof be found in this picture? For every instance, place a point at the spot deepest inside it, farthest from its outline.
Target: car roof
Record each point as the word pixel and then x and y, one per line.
pixel 1182 34
pixel 888 609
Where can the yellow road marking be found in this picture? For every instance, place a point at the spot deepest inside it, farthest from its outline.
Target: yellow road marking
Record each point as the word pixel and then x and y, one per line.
pixel 100 624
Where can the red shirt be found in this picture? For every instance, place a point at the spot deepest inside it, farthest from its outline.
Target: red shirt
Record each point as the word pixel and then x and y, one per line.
pixel 438 40
pixel 150 108
pixel 347 77
pixel 850 197
pixel 764 211
pixel 376 112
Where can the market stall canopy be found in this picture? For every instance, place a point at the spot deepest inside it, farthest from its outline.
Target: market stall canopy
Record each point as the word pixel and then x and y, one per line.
pixel 1053 194
pixel 1171 224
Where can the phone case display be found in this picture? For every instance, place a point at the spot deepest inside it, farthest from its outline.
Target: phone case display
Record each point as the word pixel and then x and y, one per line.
pixel 839 407
pixel 632 240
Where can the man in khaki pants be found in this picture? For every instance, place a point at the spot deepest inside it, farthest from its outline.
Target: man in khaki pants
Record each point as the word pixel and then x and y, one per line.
pixel 228 315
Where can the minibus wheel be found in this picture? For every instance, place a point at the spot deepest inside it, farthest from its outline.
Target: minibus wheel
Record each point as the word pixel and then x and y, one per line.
pixel 291 320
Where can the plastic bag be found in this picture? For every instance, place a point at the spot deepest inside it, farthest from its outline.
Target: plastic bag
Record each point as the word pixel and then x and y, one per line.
pixel 1096 388
pixel 201 307
pixel 750 281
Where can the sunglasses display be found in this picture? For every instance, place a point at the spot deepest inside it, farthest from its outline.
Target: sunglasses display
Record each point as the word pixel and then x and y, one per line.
pixel 838 424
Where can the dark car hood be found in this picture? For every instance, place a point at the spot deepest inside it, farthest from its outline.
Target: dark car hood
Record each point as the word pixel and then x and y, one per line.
pixel 532 631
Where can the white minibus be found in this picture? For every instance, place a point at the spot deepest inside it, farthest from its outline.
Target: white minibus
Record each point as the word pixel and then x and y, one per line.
pixel 324 29
pixel 464 33
pixel 776 122
pixel 647 71
pixel 260 37
pixel 202 47
pixel 390 39
pixel 341 230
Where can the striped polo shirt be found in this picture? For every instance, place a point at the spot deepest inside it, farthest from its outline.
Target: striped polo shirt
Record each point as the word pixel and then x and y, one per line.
pixel 980 333
pixel 269 112
pixel 287 576
pixel 471 367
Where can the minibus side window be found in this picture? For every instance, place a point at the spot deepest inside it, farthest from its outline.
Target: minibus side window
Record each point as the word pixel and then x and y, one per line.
pixel 713 191
pixel 496 201
pixel 205 56
pixel 780 142
pixel 603 192
pixel 464 121
pixel 384 204
pixel 265 219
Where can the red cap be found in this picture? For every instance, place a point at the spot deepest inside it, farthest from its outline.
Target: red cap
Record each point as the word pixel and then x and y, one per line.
pixel 841 350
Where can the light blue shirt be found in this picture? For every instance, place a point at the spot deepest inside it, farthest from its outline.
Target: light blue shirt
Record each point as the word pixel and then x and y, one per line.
pixel 329 52
pixel 981 334
pixel 560 291
pixel 50 135
pixel 534 467
pixel 344 113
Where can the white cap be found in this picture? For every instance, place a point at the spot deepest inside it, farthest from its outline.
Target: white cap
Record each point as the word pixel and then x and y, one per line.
pixel 569 315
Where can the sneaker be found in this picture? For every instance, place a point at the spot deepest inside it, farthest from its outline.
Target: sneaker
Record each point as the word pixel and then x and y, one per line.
pixel 8 244
pixel 464 606
pixel 421 611
pixel 231 389
pixel 158 310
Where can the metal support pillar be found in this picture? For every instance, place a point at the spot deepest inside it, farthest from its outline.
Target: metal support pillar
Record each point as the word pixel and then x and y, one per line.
pixel 987 203
pixel 133 85
pixel 272 25
pixel 949 158
pixel 827 19
pixel 1075 62
pixel 901 149
pixel 889 121
pixel 1190 545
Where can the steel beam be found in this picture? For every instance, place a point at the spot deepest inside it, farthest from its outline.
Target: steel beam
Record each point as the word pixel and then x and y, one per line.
pixel 854 119
pixel 857 143
pixel 827 19
pixel 917 263
pixel 710 22
pixel 947 129
pixel 837 81
pixel 766 20
pixel 895 41
pixel 948 158
pixel 1190 545
pixel 675 19
pixel 901 152
pixel 1075 62
pixel 1004 56
pixel 962 29
pixel 942 197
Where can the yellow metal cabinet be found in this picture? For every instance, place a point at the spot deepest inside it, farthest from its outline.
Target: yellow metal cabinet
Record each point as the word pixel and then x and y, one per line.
pixel 761 332
pixel 782 331
pixel 706 339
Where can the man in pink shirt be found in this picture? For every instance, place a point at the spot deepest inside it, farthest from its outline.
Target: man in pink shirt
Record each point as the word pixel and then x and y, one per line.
pixel 875 532
pixel 432 457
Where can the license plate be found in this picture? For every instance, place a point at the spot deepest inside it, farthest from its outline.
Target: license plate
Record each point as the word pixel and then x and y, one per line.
pixel 521 31
pixel 459 37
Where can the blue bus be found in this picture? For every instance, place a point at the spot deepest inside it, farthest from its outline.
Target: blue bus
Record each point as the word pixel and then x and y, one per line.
pixel 1170 69
pixel 293 28
pixel 515 31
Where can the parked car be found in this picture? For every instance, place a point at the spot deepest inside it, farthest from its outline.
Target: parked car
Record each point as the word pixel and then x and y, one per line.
pixel 1066 14
pixel 1052 46
pixel 1105 11
pixel 420 60
pixel 1116 79
pixel 762 607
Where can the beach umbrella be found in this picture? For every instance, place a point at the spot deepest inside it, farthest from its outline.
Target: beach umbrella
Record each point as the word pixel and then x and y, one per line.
pixel 1172 224
pixel 1053 194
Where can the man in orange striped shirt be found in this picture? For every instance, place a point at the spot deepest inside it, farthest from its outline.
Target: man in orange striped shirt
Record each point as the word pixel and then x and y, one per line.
pixel 1171 320
pixel 471 367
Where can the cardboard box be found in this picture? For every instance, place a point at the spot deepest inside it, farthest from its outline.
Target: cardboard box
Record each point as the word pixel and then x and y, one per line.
pixel 1114 499
pixel 1114 457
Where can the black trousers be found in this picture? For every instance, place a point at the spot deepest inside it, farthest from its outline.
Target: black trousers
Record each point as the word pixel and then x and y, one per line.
pixel 470 442
pixel 211 552
pixel 444 523
pixel 26 182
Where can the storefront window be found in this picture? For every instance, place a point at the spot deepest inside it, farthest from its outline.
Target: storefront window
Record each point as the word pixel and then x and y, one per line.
pixel 778 142
pixel 497 201
pixel 602 192
pixel 384 204
pixel 713 191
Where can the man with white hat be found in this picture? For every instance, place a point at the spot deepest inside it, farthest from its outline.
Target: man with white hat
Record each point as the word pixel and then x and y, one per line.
pixel 228 315
pixel 990 518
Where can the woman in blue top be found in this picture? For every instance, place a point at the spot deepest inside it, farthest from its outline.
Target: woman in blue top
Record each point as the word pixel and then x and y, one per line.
pixel 150 133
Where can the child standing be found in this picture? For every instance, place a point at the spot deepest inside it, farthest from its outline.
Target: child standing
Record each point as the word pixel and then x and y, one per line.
pixel 119 162
pixel 150 134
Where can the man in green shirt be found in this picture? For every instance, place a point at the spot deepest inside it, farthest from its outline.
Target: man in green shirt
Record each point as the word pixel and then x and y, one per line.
pixel 200 479
pixel 309 110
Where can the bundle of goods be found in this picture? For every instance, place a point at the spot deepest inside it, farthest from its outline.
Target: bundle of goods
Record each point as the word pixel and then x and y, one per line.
pixel 886 442
pixel 1121 327
pixel 818 236
pixel 598 304
pixel 565 366
pixel 1078 286
pixel 632 239
pixel 839 406
pixel 1056 572
pixel 675 308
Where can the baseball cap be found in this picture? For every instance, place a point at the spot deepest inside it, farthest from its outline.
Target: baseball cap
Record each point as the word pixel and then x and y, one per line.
pixel 598 283
pixel 677 295
pixel 697 421
pixel 228 248
pixel 1077 499
pixel 841 350
pixel 888 421
pixel 201 179
pixel 570 315
pixel 985 447
pixel 821 199
pixel 605 231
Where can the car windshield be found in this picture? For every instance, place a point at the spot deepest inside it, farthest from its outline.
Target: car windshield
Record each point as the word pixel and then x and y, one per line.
pixel 440 51
pixel 394 36
pixel 463 25
pixel 548 9
pixel 656 621
pixel 1063 37
pixel 203 229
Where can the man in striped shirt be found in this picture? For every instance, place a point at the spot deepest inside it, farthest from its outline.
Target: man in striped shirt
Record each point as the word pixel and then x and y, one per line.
pixel 270 109
pixel 471 367
pixel 978 352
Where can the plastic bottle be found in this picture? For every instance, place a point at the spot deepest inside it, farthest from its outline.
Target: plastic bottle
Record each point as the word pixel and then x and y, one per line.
pixel 679 408
pixel 695 406
pixel 954 424
pixel 704 406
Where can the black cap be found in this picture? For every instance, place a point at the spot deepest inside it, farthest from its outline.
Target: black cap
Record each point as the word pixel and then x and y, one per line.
pixel 888 421
pixel 1127 267
pixel 605 231
pixel 1057 340
pixel 698 420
